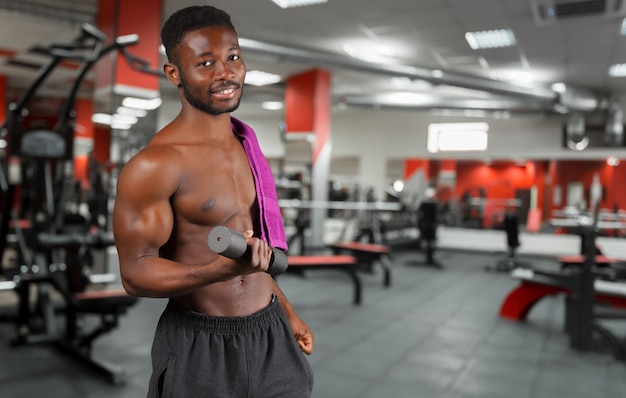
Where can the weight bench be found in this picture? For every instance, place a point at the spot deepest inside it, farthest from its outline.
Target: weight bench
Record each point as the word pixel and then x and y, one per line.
pixel 108 303
pixel 337 262
pixel 400 232
pixel 368 254
pixel 535 286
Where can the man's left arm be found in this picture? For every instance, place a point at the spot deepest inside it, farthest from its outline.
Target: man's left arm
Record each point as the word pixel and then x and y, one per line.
pixel 299 328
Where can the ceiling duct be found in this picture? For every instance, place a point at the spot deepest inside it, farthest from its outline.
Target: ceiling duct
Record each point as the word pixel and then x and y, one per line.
pixel 542 98
pixel 614 127
pixel 62 10
pixel 575 132
pixel 551 11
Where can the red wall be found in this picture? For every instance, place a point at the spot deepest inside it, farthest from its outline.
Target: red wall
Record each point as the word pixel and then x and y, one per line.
pixel 500 180
pixel 611 177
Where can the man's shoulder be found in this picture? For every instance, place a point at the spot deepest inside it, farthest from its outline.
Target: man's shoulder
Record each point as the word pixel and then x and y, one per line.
pixel 154 155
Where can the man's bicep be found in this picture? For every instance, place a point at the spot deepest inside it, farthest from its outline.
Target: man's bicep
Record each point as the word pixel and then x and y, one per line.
pixel 143 217
pixel 143 229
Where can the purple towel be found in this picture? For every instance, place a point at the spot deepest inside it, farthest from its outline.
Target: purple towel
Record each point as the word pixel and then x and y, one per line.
pixel 272 228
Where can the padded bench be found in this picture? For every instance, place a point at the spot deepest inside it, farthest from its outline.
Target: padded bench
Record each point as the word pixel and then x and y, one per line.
pixel 109 304
pixel 535 286
pixel 400 232
pixel 607 267
pixel 600 260
pixel 339 262
pixel 366 253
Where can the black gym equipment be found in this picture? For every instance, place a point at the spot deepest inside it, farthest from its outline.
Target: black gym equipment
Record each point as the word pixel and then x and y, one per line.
pixel 427 223
pixel 232 244
pixel 53 246
pixel 511 261
pixel 582 310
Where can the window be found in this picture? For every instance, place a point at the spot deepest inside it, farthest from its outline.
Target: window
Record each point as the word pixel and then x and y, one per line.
pixel 448 137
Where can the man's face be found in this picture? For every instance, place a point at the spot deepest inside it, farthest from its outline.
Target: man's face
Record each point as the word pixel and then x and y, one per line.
pixel 212 70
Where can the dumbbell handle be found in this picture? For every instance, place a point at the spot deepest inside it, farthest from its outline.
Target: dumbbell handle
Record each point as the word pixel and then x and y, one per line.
pixel 232 244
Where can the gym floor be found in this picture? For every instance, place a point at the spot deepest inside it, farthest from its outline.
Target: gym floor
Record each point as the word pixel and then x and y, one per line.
pixel 435 333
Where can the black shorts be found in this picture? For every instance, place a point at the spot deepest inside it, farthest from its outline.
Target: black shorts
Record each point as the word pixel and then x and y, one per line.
pixel 195 355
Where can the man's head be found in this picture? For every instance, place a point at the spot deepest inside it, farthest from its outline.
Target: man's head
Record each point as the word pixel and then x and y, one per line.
pixel 205 60
pixel 186 20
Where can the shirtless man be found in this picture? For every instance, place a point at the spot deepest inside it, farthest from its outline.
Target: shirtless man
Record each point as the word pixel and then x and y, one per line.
pixel 227 330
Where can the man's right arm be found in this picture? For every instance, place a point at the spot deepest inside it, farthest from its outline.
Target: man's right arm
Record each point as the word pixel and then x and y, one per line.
pixel 143 220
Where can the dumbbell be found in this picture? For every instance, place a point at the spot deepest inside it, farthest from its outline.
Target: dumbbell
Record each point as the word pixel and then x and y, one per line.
pixel 232 244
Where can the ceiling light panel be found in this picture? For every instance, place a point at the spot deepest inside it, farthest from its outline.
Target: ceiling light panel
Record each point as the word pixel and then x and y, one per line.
pixel 297 3
pixel 260 78
pixel 490 39
pixel 617 70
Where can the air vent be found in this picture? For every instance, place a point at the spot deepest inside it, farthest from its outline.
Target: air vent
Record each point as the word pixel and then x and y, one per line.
pixel 579 8
pixel 551 11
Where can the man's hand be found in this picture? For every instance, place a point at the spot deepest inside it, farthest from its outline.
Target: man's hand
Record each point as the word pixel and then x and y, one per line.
pixel 302 333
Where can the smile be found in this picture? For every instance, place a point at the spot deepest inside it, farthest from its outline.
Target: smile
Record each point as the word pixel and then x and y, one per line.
pixel 225 91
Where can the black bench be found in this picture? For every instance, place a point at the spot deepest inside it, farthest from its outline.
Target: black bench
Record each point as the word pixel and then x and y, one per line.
pixel 400 232
pixel 367 254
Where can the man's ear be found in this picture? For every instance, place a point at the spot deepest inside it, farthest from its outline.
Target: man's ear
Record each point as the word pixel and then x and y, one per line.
pixel 172 74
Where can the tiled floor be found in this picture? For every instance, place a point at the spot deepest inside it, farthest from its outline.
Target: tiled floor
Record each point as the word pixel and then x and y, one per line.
pixel 434 333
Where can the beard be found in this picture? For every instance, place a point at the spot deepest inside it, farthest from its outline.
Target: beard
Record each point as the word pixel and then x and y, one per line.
pixel 198 100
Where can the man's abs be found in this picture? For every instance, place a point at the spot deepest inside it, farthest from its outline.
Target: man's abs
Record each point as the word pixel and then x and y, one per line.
pixel 240 296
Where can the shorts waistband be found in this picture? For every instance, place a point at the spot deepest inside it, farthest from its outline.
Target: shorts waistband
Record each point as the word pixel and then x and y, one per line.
pixel 222 324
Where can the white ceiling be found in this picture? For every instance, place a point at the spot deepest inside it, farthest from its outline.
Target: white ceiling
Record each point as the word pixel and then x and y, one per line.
pixel 425 35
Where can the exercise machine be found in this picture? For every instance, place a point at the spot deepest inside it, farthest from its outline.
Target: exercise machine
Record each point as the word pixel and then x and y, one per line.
pixel 53 246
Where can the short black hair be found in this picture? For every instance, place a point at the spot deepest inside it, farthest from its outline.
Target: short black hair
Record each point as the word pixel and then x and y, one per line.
pixel 190 19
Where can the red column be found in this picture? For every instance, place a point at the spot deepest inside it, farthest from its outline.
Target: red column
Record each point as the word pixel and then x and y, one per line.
pixel 83 138
pixel 307 106
pixel 3 98
pixel 119 18
pixel 307 110
pixel 114 77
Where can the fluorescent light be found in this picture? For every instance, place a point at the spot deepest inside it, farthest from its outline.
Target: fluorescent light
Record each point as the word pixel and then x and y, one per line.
pixel 370 52
pixel 407 83
pixel 617 70
pixel 446 137
pixel 513 76
pixel 272 105
pixel 559 87
pixel 121 126
pixel 141 103
pixel 103 118
pixel 403 98
pixel 126 119
pixel 490 38
pixel 612 161
pixel 131 111
pixel 297 3
pixel 260 78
